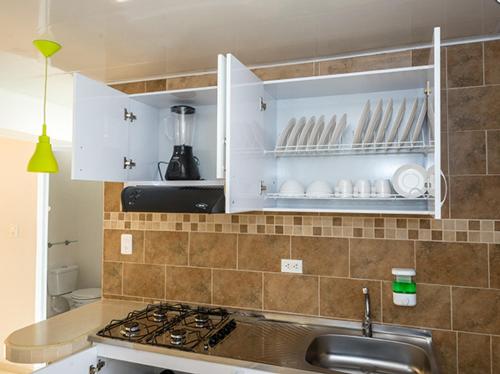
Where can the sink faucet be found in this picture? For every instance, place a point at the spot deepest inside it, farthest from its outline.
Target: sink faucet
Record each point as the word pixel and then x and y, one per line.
pixel 367 320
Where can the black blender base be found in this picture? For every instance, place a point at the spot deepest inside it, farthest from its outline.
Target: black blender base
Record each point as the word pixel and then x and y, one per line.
pixel 183 165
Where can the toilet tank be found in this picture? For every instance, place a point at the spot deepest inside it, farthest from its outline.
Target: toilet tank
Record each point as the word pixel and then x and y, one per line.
pixel 62 280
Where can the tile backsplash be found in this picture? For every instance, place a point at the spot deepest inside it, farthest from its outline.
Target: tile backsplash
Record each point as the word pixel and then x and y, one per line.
pixel 234 260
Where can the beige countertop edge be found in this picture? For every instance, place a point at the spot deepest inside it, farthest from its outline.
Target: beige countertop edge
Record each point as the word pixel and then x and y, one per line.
pixel 64 334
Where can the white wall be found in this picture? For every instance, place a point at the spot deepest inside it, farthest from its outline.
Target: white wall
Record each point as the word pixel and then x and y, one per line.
pixel 75 214
pixel 18 197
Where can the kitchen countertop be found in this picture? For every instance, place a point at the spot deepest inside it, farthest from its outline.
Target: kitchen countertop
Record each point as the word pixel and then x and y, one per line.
pixel 64 334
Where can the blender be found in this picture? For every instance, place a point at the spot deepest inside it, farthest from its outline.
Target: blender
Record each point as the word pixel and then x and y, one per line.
pixel 183 165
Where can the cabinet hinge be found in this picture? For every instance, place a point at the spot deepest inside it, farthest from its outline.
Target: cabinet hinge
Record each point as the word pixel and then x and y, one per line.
pixel 427 89
pixel 95 369
pixel 128 116
pixel 128 163
pixel 263 104
pixel 263 187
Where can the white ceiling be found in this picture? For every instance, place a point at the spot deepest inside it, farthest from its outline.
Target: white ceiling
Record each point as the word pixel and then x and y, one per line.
pixel 118 40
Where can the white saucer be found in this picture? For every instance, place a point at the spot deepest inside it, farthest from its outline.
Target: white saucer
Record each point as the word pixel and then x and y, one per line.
pixel 410 180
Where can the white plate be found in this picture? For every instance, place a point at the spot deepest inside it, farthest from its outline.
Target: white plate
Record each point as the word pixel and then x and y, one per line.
pixel 306 131
pixel 285 133
pixel 385 121
pixel 430 122
pixel 410 180
pixel 430 180
pixel 327 131
pixel 316 132
pixel 361 124
pixel 420 122
pixel 397 122
pixel 339 129
pixel 409 123
pixel 374 122
pixel 292 139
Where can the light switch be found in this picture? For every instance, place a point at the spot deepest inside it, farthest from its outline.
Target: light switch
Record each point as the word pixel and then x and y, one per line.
pixel 126 244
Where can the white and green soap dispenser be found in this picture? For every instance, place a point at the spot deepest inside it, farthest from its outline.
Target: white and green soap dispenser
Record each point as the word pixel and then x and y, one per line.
pixel 404 288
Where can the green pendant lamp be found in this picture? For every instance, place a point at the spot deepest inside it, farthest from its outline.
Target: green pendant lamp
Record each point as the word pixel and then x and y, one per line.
pixel 43 160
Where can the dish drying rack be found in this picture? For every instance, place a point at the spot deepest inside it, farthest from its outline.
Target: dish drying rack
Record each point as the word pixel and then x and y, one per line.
pixel 390 197
pixel 353 149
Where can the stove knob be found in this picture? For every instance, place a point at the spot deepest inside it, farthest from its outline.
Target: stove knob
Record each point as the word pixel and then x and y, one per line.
pixel 213 341
pixel 205 347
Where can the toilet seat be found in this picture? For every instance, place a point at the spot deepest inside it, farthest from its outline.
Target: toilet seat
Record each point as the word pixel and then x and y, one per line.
pixel 86 294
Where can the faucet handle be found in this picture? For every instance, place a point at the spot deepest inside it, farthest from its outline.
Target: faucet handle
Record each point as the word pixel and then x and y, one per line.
pixel 365 291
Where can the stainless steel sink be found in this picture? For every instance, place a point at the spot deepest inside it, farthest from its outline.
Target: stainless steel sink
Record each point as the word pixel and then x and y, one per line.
pixel 358 354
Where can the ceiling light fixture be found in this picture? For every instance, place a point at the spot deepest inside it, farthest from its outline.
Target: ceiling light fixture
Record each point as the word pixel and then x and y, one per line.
pixel 43 160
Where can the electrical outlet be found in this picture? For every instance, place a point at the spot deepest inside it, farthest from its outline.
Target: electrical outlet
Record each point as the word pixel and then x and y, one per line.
pixel 126 244
pixel 291 266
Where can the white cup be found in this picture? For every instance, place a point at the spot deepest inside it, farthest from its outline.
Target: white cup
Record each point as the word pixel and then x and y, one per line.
pixel 362 188
pixel 382 188
pixel 343 188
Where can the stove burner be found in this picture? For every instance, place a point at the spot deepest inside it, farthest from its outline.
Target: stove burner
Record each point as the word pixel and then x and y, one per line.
pixel 178 337
pixel 160 315
pixel 201 320
pixel 130 329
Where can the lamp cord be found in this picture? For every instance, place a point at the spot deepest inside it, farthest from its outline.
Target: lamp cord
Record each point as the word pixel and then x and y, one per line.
pixel 45 97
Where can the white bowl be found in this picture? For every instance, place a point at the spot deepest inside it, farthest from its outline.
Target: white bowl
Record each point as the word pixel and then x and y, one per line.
pixel 292 188
pixel 319 189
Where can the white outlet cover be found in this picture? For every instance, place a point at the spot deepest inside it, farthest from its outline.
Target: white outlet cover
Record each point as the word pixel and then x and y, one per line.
pixel 126 244
pixel 291 266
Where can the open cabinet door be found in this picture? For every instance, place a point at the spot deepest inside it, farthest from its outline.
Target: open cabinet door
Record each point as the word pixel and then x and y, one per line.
pixel 100 133
pixel 434 100
pixel 221 116
pixel 244 138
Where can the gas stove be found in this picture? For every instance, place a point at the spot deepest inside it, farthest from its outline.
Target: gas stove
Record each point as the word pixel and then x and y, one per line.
pixel 175 326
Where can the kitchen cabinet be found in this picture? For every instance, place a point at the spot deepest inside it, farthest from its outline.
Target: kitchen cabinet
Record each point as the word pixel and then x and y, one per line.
pixel 257 112
pixel 120 137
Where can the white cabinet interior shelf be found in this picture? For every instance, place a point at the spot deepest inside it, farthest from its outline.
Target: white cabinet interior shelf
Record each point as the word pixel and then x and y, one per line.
pixel 179 183
pixel 391 197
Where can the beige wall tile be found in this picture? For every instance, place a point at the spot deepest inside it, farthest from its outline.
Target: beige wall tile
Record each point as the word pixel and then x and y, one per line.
pixel 203 80
pixel 494 265
pixel 432 309
pixel 476 310
pixel 188 284
pixel 131 87
pixel 112 246
pixel 374 62
pixel 262 252
pixel 212 250
pixel 163 247
pixel 112 193
pixel 285 71
pixel 465 65
pixel 493 148
pixel 460 264
pixel 238 288
pixel 144 280
pixel 322 256
pixel 374 259
pixel 467 152
pixel 291 293
pixel 495 345
pixel 343 298
pixel 473 353
pixel 112 277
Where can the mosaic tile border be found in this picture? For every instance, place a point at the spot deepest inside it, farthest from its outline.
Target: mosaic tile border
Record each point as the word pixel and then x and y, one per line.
pixel 424 229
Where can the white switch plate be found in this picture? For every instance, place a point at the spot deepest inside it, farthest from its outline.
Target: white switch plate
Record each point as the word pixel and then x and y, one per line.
pixel 126 244
pixel 291 266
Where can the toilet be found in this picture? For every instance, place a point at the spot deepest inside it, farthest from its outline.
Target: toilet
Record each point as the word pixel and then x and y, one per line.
pixel 63 293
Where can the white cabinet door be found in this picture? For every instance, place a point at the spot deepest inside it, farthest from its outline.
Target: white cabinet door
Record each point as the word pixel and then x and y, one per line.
pixel 434 100
pixel 244 138
pixel 100 133
pixel 221 116
pixel 143 142
pixel 78 363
